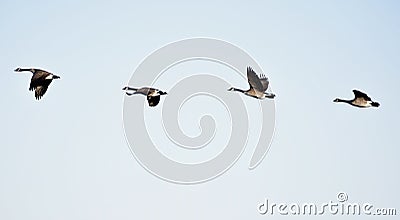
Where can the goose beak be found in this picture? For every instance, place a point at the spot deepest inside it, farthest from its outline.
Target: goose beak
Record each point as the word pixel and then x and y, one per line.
pixel 56 77
pixel 17 69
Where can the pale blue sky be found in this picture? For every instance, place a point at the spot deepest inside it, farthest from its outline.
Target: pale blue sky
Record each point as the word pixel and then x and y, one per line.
pixel 65 157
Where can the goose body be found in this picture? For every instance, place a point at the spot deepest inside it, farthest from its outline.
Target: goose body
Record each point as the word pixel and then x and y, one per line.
pixel 40 80
pixel 152 94
pixel 360 100
pixel 258 86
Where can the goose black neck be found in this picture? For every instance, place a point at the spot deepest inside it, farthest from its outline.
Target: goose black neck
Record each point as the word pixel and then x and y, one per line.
pixel 345 101
pixel 129 88
pixel 22 70
pixel 238 90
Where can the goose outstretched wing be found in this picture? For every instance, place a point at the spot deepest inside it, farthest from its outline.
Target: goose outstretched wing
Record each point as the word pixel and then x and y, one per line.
pixel 264 81
pixel 359 94
pixel 153 100
pixel 254 81
pixel 38 78
pixel 40 91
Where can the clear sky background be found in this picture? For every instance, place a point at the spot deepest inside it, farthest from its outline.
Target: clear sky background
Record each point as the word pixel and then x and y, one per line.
pixel 65 156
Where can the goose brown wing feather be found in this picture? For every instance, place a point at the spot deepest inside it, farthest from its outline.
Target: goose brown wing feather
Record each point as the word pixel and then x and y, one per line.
pixel 153 100
pixel 38 79
pixel 254 81
pixel 264 81
pixel 40 91
pixel 359 94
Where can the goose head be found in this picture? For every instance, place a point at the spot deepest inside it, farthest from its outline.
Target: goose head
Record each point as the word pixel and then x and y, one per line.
pixel 231 89
pixel 336 100
pixel 32 70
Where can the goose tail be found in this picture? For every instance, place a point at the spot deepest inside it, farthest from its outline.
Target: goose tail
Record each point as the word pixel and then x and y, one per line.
pixel 270 95
pixel 375 104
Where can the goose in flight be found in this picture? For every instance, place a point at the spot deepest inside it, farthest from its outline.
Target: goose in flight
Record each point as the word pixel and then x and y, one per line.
pixel 258 86
pixel 152 94
pixel 40 80
pixel 360 100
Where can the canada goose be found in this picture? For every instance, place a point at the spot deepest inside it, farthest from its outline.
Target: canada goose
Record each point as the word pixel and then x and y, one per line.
pixel 153 95
pixel 360 100
pixel 258 86
pixel 40 80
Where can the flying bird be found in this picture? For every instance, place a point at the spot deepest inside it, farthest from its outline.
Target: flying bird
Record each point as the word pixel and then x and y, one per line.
pixel 152 94
pixel 360 100
pixel 258 86
pixel 40 80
